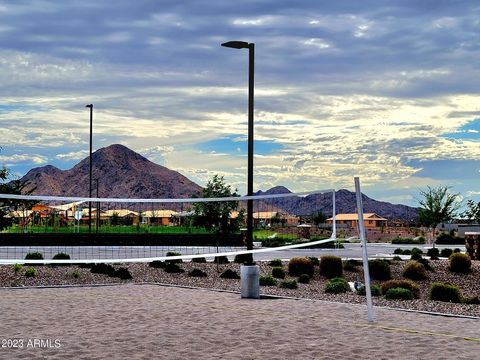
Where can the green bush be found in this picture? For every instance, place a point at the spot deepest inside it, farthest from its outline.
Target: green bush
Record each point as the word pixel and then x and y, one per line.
pixel 448 239
pixel 398 294
pixel 434 253
pixel 331 266
pixel 456 250
pixel 123 273
pixel 374 289
pixel 289 284
pixel 405 284
pixel 61 256
pixel 426 264
pixel 17 267
pixel 275 262
pixel 414 270
pixel 30 272
pixel 229 274
pixel 268 280
pixel 446 252
pixel 416 254
pixel 298 266
pixel 315 261
pixel 407 252
pixel 221 260
pixel 398 251
pixel 197 273
pixel 173 268
pixel 173 253
pixel 304 279
pixel 379 269
pixel 74 274
pixel 157 264
pixel 351 265
pixel 101 268
pixel 199 260
pixel 460 263
pixel 36 255
pixel 337 285
pixel 475 300
pixel 278 272
pixel 444 292
pixel 241 258
pixel 397 258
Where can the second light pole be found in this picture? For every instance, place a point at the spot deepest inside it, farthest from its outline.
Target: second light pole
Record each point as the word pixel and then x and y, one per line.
pixel 90 177
pixel 251 71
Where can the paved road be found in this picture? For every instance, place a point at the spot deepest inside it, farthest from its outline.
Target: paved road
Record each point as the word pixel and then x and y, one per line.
pixel 122 252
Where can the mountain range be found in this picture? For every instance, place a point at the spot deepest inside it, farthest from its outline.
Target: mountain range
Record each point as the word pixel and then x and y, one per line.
pixel 123 173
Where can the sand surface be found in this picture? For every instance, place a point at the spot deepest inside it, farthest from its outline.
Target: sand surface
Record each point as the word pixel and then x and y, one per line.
pixel 157 322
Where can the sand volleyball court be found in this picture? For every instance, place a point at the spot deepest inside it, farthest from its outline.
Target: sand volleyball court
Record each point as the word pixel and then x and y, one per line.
pixel 159 322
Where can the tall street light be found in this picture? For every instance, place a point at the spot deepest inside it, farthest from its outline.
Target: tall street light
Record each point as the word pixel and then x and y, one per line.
pixel 90 177
pixel 251 63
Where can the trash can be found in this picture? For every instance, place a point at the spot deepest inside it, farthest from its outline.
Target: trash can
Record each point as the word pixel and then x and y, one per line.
pixel 249 281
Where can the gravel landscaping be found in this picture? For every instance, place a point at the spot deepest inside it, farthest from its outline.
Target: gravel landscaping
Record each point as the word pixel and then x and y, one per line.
pixel 469 284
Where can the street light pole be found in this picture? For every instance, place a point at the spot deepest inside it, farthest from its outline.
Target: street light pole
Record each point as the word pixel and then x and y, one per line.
pixel 251 82
pixel 90 177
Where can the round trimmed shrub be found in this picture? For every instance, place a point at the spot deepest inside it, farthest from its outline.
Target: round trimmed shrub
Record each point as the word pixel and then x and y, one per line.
pixel 304 279
pixel 275 262
pixel 434 253
pixel 374 289
pixel 173 253
pixel 229 274
pixel 30 272
pixel 416 250
pixel 36 255
pixel 351 265
pixel 407 252
pixel 123 273
pixel 426 264
pixel 444 292
pixel 197 273
pixel 278 272
pixel 414 270
pixel 379 269
pixel 337 285
pixel 102 268
pixel 173 268
pixel 331 266
pixel 475 300
pixel 456 250
pixel 405 284
pixel 241 258
pixel 268 280
pixel 199 260
pixel 315 261
pixel 289 284
pixel 398 251
pixel 17 267
pixel 397 258
pixel 221 260
pixel 415 256
pixel 298 266
pixel 446 252
pixel 460 263
pixel 157 264
pixel 61 256
pixel 398 294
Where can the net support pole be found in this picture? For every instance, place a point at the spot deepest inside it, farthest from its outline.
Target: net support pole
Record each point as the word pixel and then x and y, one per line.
pixel 334 222
pixel 363 240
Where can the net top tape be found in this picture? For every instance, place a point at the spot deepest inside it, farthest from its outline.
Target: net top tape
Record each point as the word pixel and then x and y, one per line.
pixel 178 200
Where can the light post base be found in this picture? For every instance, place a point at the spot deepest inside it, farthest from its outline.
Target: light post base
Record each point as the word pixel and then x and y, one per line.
pixel 249 281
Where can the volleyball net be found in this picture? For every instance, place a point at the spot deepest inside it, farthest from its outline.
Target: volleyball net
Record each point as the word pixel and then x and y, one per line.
pixel 112 230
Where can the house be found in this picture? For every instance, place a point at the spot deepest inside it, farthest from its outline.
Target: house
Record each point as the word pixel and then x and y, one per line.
pixel 371 220
pixel 159 217
pixel 269 218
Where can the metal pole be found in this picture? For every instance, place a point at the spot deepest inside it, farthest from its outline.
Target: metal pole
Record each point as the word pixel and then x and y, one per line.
pixel 334 222
pixel 363 241
pixel 97 219
pixel 90 177
pixel 251 69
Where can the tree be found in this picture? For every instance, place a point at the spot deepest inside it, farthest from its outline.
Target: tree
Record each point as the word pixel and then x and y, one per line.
pixel 473 211
pixel 436 207
pixel 217 215
pixel 319 218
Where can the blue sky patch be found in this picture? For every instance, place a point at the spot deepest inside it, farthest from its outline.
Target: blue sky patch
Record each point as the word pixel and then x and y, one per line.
pixel 447 169
pixel 232 145
pixel 470 131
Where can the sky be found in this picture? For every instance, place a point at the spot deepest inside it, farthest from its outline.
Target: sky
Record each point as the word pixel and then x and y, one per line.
pixel 385 90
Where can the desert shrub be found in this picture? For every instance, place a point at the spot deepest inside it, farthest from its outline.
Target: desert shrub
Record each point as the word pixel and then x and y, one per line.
pixel 199 260
pixel 407 252
pixel 351 265
pixel 36 255
pixel 221 260
pixel 415 256
pixel 374 289
pixel 315 261
pixel 157 264
pixel 379 269
pixel 173 268
pixel 456 250
pixel 398 294
pixel 103 269
pixel 229 274
pixel 337 285
pixel 123 273
pixel 268 281
pixel 173 253
pixel 275 262
pixel 289 284
pixel 397 258
pixel 460 263
pixel 298 266
pixel 304 279
pixel 30 272
pixel 17 267
pixel 448 239
pixel 426 264
pixel 85 265
pixel 61 256
pixel 434 253
pixel 197 273
pixel 475 300
pixel 416 250
pixel 241 258
pixel 278 272
pixel 398 251
pixel 74 274
pixel 444 292
pixel 406 284
pixel 446 252
pixel 414 270
pixel 331 266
